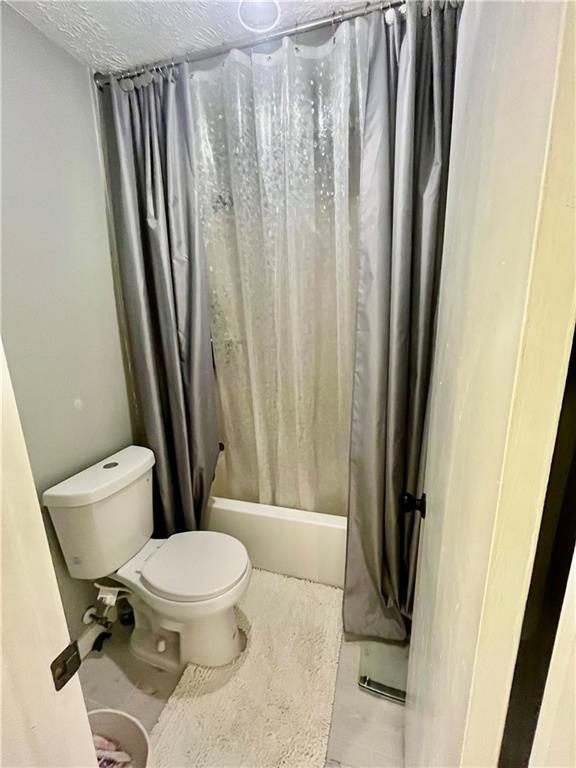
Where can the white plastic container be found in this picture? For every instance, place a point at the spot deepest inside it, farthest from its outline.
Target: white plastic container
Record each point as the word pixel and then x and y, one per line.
pixel 125 730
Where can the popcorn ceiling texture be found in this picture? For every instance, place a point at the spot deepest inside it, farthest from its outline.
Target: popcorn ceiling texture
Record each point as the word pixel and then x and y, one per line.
pixel 115 35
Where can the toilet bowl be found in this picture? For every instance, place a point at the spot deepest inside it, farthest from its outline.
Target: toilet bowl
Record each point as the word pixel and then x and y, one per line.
pixel 182 589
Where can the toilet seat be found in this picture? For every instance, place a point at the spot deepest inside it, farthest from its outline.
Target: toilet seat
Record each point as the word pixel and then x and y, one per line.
pixel 195 566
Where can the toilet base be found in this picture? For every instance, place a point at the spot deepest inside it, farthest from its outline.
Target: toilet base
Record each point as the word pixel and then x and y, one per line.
pixel 144 643
pixel 210 641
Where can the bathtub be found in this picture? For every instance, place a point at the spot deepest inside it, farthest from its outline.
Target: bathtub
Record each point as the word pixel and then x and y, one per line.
pixel 307 545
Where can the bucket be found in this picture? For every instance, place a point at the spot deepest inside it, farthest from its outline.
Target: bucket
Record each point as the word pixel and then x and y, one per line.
pixel 125 730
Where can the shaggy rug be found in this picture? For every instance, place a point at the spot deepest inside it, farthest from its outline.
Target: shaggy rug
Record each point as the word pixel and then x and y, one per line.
pixel 272 706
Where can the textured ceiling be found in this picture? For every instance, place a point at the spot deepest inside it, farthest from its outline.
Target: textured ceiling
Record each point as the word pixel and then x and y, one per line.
pixel 111 35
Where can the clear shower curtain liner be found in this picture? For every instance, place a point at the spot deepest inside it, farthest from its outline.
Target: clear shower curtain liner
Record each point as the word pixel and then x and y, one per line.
pixel 277 145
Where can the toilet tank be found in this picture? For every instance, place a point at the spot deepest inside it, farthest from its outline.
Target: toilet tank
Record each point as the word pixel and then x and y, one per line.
pixel 103 515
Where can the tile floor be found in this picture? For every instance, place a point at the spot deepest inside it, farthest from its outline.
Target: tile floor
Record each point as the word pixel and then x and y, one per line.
pixel 366 731
pixel 115 679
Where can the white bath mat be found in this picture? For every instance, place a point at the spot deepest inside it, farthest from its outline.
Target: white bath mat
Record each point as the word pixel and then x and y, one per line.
pixel 272 707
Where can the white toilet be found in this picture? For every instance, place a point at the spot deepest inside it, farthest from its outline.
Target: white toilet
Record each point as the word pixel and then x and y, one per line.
pixel 183 589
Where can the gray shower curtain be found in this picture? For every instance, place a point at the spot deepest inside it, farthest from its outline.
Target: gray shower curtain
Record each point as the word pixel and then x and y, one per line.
pixel 147 132
pixel 402 205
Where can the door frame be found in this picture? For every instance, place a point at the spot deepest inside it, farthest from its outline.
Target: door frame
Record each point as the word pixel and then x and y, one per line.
pixel 555 739
pixel 549 320
pixel 468 613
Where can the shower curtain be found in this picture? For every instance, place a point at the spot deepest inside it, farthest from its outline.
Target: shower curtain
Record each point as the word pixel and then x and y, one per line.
pixel 147 133
pixel 316 176
pixel 402 205
pixel 278 146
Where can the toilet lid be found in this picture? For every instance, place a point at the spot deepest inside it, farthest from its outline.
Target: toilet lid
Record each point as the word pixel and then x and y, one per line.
pixel 195 566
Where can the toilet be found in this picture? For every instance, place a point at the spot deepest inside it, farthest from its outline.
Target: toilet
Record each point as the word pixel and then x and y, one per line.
pixel 182 589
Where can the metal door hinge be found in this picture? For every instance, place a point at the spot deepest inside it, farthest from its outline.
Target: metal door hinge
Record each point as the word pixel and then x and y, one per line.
pixel 65 665
pixel 409 503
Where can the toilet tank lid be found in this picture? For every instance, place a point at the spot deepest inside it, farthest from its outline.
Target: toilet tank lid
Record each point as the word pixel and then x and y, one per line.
pixel 102 479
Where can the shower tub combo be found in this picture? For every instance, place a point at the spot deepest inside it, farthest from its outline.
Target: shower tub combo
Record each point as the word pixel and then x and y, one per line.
pixel 307 545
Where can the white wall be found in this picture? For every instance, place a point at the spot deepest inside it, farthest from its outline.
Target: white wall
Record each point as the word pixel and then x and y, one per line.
pixel 59 321
pixel 506 319
pixel 40 727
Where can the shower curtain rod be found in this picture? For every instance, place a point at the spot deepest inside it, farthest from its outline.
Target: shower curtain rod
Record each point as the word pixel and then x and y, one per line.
pixel 336 17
